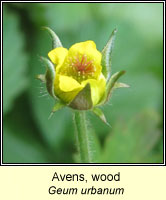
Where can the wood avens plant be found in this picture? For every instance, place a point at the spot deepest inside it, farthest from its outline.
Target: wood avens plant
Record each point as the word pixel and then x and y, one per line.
pixel 80 78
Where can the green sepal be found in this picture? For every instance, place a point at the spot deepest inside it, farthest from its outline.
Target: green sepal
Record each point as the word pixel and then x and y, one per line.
pixel 58 106
pixel 106 55
pixel 110 86
pixel 50 76
pixel 83 100
pixel 55 39
pixel 120 85
pixel 41 77
pixel 99 113
pixel 111 83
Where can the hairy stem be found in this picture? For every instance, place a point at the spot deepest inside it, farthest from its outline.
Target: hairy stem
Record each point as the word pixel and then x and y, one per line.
pixel 82 137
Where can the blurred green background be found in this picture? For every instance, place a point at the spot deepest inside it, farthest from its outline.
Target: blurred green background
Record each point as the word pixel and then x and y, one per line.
pixel 135 114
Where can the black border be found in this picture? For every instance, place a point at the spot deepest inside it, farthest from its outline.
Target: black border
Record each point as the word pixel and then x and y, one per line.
pixel 84 164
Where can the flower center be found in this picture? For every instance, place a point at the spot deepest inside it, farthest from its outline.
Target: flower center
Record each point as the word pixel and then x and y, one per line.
pixel 83 66
pixel 80 67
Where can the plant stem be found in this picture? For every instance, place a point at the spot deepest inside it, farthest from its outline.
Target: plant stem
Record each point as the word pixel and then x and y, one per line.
pixel 82 136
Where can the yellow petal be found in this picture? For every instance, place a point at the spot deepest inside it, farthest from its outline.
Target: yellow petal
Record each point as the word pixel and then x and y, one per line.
pixel 97 88
pixel 67 84
pixel 88 49
pixel 58 55
pixel 66 88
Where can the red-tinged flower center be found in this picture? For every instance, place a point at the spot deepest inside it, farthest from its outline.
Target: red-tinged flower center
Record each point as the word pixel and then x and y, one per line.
pixel 80 67
pixel 84 66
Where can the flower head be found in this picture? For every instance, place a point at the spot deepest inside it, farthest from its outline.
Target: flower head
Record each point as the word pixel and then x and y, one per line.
pixel 75 68
pixel 80 77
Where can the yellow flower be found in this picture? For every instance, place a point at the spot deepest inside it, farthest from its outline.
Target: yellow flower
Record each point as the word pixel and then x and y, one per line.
pixel 75 68
pixel 81 76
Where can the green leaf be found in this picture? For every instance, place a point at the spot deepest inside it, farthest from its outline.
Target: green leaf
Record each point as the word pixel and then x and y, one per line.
pixel 21 140
pixel 135 140
pixel 83 100
pixel 14 60
pixel 19 150
pixel 58 16
pixel 100 114
pixel 55 39
pixel 106 55
pixel 50 76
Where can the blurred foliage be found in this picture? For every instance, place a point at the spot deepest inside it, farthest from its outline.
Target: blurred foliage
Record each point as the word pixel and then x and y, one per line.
pixel 135 114
pixel 13 46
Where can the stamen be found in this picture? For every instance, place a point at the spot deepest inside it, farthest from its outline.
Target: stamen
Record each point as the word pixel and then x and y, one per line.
pixel 80 67
pixel 83 65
